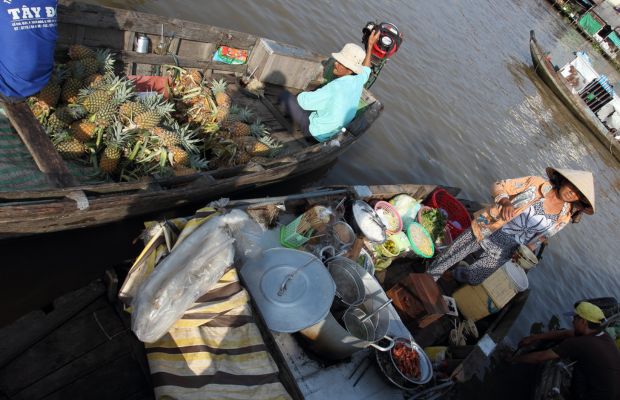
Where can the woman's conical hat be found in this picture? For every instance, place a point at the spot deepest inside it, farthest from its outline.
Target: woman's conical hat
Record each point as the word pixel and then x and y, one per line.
pixel 582 180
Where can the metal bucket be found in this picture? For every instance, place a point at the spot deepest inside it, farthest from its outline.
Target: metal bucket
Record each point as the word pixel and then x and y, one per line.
pixel 331 340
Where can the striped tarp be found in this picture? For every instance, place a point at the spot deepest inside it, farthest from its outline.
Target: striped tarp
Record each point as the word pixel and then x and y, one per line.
pixel 18 170
pixel 215 351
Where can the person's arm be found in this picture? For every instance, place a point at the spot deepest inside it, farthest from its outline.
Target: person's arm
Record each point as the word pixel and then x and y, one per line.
pixel 551 335
pixel 372 39
pixel 315 100
pixel 536 357
pixel 502 190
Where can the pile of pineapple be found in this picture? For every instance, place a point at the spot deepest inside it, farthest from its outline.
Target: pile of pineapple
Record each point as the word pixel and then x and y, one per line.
pixel 96 117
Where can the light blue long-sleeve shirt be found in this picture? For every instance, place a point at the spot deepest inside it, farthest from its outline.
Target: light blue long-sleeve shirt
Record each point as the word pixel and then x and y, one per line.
pixel 334 105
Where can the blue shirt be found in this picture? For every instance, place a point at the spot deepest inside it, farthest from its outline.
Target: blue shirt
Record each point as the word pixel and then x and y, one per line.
pixel 334 105
pixel 28 37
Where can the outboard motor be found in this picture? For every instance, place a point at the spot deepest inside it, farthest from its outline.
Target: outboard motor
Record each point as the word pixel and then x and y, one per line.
pixel 388 44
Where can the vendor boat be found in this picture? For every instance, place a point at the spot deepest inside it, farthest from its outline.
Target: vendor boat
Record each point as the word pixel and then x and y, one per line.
pixel 231 342
pixel 40 193
pixel 592 96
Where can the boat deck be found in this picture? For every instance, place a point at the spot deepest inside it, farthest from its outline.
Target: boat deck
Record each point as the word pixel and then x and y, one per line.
pixel 80 347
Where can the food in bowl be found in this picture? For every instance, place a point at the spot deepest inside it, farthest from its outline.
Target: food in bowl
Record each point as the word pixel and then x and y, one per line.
pixel 406 360
pixel 434 222
pixel 421 241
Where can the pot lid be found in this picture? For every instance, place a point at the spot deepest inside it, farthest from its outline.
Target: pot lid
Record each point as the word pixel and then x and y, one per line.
pixel 292 289
pixel 368 221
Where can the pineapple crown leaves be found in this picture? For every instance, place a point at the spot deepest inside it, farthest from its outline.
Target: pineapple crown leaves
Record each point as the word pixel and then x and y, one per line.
pixel 197 162
pixel 124 92
pixel 156 102
pixel 258 129
pixel 245 115
pixel 218 86
pixel 60 136
pixel 117 134
pixel 105 59
pixel 76 70
pixel 274 145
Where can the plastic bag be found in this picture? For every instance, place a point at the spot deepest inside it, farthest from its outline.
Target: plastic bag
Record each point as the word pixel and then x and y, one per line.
pixel 194 266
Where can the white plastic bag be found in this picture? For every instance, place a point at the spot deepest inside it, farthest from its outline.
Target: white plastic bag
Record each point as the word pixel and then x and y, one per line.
pixel 192 268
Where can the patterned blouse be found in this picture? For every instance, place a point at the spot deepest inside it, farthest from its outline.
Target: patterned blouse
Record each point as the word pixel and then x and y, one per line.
pixel 522 229
pixel 522 193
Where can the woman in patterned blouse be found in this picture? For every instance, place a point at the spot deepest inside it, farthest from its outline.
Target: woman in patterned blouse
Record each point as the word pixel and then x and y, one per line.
pixel 526 211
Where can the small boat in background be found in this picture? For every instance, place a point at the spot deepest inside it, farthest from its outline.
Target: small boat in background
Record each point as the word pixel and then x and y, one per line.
pixel 588 95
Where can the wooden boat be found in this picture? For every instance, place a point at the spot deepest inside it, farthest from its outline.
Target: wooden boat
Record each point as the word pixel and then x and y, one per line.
pixel 302 373
pixel 558 84
pixel 65 204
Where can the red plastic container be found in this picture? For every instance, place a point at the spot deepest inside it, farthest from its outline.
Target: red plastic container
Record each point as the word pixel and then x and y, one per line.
pixel 455 209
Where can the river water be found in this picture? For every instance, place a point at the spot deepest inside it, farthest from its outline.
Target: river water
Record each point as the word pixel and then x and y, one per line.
pixel 463 108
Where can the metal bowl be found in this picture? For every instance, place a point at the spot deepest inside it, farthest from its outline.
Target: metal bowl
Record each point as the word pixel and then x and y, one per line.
pixel 426 367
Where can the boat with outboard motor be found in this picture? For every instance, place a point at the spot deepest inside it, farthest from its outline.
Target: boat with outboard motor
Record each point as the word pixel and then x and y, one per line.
pixel 560 86
pixel 223 340
pixel 40 193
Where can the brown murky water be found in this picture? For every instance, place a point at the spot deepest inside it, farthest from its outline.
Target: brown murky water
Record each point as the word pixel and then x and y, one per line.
pixel 462 108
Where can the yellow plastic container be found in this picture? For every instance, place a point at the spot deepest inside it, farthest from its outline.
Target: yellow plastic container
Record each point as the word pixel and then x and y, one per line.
pixel 477 302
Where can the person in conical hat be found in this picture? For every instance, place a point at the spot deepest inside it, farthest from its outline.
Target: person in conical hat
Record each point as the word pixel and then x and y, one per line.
pixel 526 211
pixel 322 113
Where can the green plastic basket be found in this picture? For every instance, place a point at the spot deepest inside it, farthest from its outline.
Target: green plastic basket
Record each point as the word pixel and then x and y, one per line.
pixel 414 226
pixel 289 236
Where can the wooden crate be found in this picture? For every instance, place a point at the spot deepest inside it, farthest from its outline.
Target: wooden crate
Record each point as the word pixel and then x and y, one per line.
pixel 418 300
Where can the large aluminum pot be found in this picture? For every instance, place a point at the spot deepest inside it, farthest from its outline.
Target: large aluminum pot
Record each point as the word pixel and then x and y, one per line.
pixel 331 340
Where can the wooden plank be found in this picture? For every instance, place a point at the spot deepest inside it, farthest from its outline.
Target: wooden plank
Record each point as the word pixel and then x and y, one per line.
pixel 23 333
pixel 39 144
pixel 185 62
pixel 117 380
pixel 98 357
pixel 70 12
pixel 71 341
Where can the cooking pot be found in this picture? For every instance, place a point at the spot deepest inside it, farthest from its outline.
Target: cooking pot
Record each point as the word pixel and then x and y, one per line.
pixel 331 340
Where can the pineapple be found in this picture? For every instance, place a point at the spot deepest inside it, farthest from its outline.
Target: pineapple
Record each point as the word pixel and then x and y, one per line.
pixel 226 115
pixel 157 109
pixel 112 153
pixel 94 80
pixel 187 146
pixel 73 84
pixel 94 98
pixel 265 147
pixel 50 93
pixel 68 146
pixel 196 164
pixel 239 126
pixel 62 117
pixel 106 114
pixel 218 88
pixel 39 109
pixel 242 157
pixel 79 52
pixel 180 157
pixel 167 138
pixel 83 130
pixel 130 109
pixel 258 130
pixel 90 65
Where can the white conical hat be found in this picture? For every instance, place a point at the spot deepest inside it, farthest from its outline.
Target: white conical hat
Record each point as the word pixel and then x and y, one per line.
pixel 583 181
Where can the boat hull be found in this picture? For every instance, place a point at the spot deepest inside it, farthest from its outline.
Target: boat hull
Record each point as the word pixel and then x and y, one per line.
pixel 558 85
